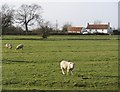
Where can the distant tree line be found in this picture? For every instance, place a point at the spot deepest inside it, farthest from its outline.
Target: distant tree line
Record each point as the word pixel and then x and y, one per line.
pixel 20 21
pixel 116 31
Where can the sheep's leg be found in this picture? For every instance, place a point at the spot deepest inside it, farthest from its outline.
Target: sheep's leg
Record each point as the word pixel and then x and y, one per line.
pixel 67 71
pixel 62 71
pixel 71 72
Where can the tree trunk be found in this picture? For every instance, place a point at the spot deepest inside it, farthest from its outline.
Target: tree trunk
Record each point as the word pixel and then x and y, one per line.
pixel 26 28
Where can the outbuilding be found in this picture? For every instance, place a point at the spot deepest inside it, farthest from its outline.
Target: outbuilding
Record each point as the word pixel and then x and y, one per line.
pixel 75 29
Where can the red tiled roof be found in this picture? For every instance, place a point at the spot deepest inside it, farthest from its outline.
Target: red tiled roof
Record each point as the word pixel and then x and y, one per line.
pixel 74 28
pixel 97 26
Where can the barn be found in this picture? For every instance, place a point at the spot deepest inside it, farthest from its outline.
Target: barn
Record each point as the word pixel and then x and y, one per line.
pixel 75 29
pixel 99 28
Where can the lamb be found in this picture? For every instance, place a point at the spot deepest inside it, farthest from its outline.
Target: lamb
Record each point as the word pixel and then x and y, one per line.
pixel 8 45
pixel 20 46
pixel 66 65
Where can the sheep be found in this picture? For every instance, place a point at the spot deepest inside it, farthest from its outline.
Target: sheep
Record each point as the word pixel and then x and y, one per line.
pixel 66 65
pixel 20 46
pixel 8 45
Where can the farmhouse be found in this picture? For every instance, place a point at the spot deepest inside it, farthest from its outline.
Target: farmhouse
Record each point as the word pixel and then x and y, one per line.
pixel 75 29
pixel 99 28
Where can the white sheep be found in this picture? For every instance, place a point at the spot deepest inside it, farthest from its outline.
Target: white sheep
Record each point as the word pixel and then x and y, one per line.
pixel 8 45
pixel 65 65
pixel 20 46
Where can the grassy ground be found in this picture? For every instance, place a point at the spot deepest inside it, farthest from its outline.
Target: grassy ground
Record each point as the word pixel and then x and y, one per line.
pixel 37 66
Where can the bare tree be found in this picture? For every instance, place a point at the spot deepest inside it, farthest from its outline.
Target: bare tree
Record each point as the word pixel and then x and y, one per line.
pixel 65 26
pixel 7 17
pixel 27 14
pixel 45 27
pixel 97 22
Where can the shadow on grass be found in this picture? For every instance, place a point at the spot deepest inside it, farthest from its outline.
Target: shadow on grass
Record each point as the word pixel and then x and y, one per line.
pixel 15 61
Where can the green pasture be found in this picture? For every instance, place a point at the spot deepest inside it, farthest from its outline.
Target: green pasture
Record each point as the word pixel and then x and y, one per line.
pixel 37 65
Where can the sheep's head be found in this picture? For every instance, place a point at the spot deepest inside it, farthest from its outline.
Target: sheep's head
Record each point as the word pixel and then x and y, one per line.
pixel 71 65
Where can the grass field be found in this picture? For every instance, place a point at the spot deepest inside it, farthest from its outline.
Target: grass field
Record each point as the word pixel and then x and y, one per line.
pixel 37 66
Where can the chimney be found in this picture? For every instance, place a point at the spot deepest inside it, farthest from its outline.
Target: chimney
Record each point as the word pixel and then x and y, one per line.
pixel 88 23
pixel 109 24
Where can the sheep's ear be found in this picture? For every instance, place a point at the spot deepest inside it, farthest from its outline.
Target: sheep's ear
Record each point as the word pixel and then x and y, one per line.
pixel 61 60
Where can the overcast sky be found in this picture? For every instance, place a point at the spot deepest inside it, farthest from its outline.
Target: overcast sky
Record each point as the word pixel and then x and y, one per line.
pixel 77 12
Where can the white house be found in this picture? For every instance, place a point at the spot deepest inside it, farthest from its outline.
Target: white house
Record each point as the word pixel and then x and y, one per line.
pixel 99 28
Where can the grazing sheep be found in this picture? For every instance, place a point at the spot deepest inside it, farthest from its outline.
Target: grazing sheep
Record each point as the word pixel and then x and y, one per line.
pixel 20 46
pixel 8 45
pixel 65 65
